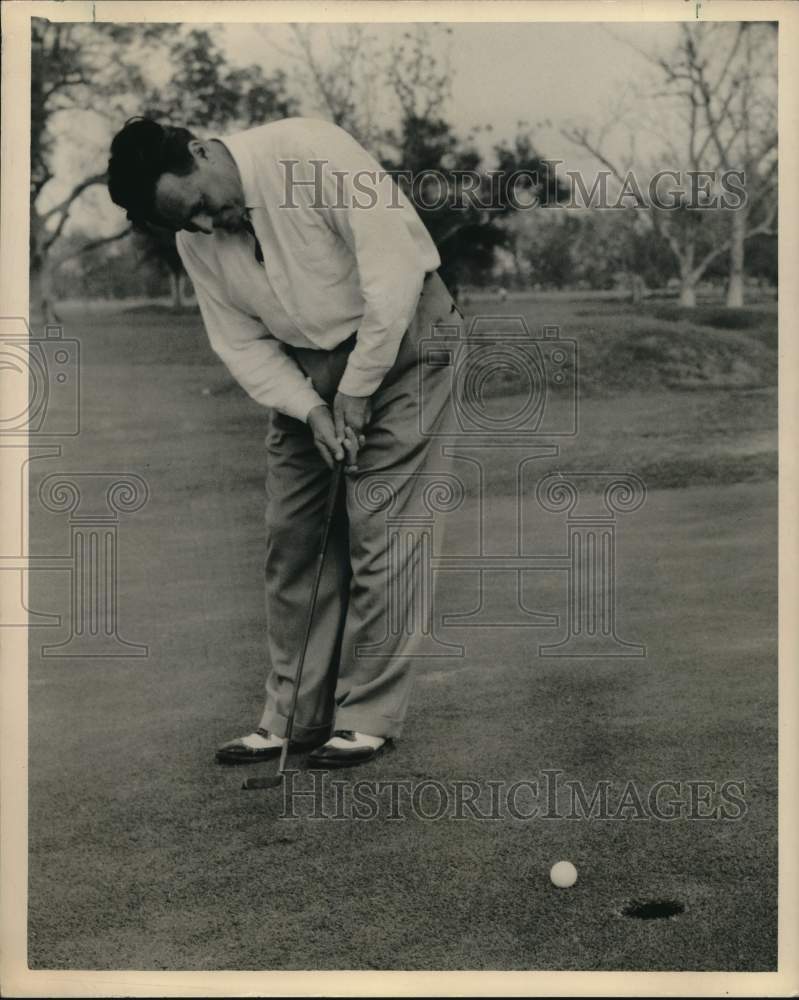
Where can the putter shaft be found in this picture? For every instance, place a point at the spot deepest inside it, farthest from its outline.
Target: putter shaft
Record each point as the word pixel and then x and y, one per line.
pixel 332 497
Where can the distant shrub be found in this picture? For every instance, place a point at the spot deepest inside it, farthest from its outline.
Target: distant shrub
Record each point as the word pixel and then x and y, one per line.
pixel 729 319
pixel 670 312
pixel 720 317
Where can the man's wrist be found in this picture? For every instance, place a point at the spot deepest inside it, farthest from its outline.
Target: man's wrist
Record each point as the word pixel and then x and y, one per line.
pixel 358 383
pixel 314 408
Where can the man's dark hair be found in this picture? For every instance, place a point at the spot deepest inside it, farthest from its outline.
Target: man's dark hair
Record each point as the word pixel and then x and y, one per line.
pixel 141 152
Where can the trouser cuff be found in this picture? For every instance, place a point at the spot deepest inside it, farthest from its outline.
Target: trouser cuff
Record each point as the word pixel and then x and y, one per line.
pixel 361 721
pixel 278 724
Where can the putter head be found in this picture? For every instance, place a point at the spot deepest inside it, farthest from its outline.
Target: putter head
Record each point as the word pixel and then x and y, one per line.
pixel 270 781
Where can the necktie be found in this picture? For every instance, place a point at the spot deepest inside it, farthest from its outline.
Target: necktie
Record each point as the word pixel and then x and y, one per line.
pixel 259 254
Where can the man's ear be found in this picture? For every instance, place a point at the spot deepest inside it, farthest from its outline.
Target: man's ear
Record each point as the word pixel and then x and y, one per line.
pixel 198 149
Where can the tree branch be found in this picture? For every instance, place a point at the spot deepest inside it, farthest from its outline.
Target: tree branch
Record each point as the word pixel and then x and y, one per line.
pixel 763 229
pixel 580 138
pixel 79 80
pixel 64 205
pixel 92 245
pixel 705 262
pixel 664 232
pixel 39 184
pixel 766 227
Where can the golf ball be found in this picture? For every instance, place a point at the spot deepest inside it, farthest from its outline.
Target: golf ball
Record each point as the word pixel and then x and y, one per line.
pixel 563 874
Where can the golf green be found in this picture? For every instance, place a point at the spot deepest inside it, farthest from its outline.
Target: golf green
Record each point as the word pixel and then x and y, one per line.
pixel 145 854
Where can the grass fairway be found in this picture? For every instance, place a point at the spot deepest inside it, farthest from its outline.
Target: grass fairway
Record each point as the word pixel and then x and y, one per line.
pixel 146 855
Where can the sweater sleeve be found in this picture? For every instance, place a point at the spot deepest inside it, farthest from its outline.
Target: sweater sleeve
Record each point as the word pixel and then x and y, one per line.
pixel 256 360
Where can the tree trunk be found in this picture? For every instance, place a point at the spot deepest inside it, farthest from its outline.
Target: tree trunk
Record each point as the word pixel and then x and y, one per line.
pixel 42 303
pixel 177 290
pixel 688 292
pixel 688 277
pixel 637 286
pixel 41 306
pixel 735 286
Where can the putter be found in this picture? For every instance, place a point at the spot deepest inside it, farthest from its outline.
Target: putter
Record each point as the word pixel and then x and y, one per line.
pixel 275 780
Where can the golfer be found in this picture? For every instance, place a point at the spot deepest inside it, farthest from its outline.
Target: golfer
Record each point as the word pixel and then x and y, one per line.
pixel 316 281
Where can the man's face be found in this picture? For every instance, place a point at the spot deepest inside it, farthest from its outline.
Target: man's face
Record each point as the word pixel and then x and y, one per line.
pixel 208 198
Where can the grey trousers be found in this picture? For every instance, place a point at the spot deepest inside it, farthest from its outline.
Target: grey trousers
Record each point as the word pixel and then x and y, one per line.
pixel 341 689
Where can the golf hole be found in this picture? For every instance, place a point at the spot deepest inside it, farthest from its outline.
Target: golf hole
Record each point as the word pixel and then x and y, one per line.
pixel 653 909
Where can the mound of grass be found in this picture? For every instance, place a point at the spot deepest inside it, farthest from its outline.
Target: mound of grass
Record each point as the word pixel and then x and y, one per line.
pixel 633 354
pixel 656 345
pixel 688 359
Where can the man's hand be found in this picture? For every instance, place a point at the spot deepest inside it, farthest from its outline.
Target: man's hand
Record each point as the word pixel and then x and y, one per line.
pixel 320 420
pixel 351 415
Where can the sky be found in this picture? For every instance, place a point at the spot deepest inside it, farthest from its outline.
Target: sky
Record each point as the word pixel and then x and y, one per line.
pixel 507 72
pixel 502 73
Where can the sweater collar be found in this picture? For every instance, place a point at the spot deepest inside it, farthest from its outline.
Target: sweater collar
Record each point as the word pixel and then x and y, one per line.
pixel 236 145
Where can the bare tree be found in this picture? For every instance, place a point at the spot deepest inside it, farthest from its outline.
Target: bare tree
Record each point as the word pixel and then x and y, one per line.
pixel 733 101
pixel 339 67
pixel 367 82
pixel 421 80
pixel 712 110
